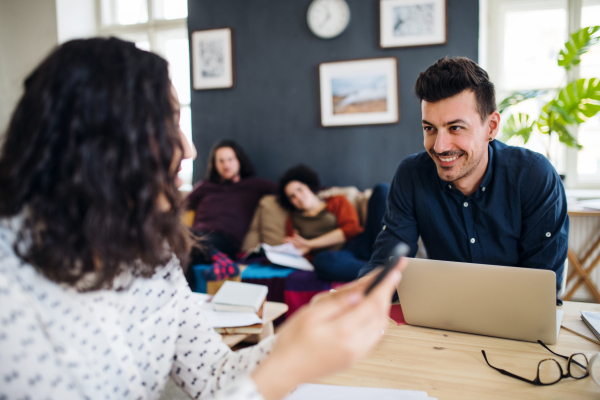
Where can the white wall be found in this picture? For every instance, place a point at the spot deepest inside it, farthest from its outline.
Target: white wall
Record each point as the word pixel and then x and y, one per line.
pixel 28 32
pixel 76 19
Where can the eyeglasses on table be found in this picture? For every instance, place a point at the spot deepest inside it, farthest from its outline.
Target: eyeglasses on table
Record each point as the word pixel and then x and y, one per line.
pixel 549 371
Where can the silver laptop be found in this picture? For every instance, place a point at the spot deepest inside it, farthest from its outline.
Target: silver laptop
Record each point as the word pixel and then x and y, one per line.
pixel 491 300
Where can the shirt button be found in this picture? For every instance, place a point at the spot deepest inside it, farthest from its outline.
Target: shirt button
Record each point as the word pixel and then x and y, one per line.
pixel 483 189
pixel 548 234
pixel 383 227
pixel 449 186
pixel 473 240
pixel 466 204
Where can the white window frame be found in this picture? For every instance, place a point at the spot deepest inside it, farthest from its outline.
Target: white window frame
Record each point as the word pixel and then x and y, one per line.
pixel 151 28
pixel 491 45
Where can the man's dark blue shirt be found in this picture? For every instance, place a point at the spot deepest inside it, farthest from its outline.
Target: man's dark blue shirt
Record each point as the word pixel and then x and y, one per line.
pixel 517 216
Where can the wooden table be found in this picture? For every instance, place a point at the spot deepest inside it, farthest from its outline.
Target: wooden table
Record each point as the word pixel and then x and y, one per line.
pixel 272 311
pixel 449 365
pixel 580 273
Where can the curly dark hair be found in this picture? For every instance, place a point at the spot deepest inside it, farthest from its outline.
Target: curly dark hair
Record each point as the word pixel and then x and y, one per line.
pixel 451 76
pixel 88 153
pixel 300 173
pixel 246 167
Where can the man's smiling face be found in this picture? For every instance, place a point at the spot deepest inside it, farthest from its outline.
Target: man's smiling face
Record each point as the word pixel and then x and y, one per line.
pixel 456 139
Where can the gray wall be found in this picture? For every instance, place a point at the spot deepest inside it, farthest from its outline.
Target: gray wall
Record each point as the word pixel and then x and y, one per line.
pixel 273 110
pixel 27 34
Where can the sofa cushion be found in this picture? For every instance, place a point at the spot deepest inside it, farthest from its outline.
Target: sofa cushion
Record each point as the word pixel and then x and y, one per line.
pixel 268 223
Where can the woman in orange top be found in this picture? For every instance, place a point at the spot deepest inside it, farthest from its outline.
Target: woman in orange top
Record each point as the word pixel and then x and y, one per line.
pixel 327 231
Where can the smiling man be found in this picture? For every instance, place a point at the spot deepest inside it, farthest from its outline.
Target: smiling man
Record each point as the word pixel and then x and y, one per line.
pixel 470 197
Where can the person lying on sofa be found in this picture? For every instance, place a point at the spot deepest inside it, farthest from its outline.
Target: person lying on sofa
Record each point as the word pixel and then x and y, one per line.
pixel 328 231
pixel 224 203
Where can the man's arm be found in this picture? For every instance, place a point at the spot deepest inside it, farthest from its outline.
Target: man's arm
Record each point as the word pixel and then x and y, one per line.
pixel 544 237
pixel 399 222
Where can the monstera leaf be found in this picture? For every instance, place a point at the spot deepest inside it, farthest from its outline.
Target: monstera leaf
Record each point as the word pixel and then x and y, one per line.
pixel 518 97
pixel 579 43
pixel 518 125
pixel 574 104
pixel 580 99
pixel 554 118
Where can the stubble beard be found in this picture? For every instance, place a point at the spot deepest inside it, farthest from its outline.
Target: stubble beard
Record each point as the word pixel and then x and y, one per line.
pixel 465 170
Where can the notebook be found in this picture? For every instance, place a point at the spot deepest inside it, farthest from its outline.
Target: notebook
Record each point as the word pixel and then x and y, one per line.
pixel 240 297
pixel 491 300
pixel 592 320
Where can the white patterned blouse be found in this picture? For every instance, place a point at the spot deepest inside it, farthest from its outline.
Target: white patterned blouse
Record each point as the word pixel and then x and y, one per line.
pixel 58 343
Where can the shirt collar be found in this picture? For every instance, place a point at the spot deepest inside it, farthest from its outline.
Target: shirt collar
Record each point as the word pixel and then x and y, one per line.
pixel 487 177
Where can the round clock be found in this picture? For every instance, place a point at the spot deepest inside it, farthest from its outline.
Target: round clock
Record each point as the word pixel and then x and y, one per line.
pixel 328 18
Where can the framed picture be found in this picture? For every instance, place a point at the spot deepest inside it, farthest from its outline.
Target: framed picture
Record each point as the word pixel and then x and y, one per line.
pixel 405 23
pixel 212 59
pixel 359 92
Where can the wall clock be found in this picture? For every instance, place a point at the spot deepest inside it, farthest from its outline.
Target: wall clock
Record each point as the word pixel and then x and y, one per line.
pixel 328 18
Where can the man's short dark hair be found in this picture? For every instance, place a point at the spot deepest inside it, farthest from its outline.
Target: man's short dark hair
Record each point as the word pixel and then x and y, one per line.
pixel 246 167
pixel 300 173
pixel 451 76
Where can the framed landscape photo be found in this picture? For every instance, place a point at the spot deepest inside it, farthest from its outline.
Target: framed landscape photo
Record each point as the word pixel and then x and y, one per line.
pixel 406 23
pixel 212 59
pixel 359 92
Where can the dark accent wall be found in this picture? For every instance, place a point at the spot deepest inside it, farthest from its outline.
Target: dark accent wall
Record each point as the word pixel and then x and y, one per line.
pixel 273 110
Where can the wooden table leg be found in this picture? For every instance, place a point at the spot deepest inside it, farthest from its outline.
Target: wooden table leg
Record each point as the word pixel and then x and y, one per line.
pixel 584 274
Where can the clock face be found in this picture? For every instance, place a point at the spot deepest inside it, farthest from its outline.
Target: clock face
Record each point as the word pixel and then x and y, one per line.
pixel 328 18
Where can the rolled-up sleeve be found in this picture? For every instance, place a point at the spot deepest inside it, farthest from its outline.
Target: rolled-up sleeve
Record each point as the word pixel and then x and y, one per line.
pixel 545 223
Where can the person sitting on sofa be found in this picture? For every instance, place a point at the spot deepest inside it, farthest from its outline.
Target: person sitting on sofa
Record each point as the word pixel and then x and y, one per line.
pixel 328 231
pixel 224 203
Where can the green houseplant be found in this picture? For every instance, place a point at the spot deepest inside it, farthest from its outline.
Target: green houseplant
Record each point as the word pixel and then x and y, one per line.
pixel 571 104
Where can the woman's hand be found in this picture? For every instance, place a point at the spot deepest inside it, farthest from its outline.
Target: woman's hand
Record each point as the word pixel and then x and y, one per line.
pixel 329 335
pixel 303 245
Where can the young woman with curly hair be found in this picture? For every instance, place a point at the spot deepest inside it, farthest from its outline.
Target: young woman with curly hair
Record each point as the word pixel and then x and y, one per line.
pixel 93 300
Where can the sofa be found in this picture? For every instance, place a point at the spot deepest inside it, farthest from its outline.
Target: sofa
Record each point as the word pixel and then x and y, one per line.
pixel 286 285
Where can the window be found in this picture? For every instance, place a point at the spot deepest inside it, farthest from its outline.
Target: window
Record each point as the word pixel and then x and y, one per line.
pixel 159 26
pixel 522 39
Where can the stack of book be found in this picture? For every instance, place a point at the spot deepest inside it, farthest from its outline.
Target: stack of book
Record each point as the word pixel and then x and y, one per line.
pixel 592 320
pixel 238 308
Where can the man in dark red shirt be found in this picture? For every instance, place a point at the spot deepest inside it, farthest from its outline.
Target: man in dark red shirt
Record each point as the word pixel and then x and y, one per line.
pixel 224 202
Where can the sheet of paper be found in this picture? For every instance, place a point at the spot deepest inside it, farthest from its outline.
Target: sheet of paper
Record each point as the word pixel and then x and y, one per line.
pixel 224 319
pixel 202 298
pixel 331 392
pixel 286 256
pixel 592 203
pixel 286 248
pixel 227 319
